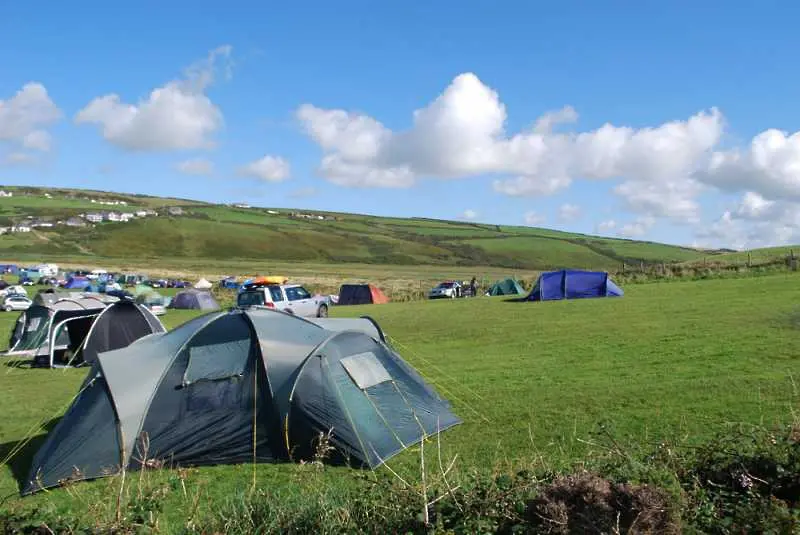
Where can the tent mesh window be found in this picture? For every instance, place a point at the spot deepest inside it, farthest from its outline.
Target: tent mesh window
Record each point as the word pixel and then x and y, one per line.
pixel 217 361
pixel 365 370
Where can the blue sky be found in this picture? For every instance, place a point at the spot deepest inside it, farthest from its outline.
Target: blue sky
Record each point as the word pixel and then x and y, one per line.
pixel 498 67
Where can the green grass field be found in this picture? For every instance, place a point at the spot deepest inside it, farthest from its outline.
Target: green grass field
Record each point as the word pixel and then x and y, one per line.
pixel 675 362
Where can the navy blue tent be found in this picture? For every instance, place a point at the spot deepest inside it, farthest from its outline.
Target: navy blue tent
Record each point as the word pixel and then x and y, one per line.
pixel 571 284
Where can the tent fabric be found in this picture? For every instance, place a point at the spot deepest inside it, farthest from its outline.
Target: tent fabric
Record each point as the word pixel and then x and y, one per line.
pixel 506 287
pixel 194 299
pixel 203 284
pixel 573 284
pixel 77 283
pixel 242 386
pixel 50 296
pixel 361 294
pixel 43 330
pixel 118 326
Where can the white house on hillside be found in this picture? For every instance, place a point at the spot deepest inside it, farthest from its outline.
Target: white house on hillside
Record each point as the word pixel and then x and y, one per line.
pixel 94 217
pixel 4 193
pixel 113 216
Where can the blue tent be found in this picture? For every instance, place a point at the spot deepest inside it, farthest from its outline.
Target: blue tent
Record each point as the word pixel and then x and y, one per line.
pixel 570 284
pixel 77 283
pixel 9 268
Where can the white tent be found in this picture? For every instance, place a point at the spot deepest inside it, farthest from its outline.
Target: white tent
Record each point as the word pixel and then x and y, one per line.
pixel 203 284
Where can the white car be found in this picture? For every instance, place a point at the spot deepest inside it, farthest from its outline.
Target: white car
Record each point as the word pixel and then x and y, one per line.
pixel 447 289
pixel 291 298
pixel 156 308
pixel 16 302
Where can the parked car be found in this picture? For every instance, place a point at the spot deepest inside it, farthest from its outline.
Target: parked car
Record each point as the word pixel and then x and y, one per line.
pixel 291 298
pixel 16 302
pixel 447 289
pixel 27 282
pixel 158 309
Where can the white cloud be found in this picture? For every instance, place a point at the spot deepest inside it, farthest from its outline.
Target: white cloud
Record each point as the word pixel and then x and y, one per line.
pixel 533 218
pixel 25 116
pixel 637 228
pixel 469 215
pixel 606 226
pixel 195 166
pixel 462 133
pixel 770 166
pixel 754 222
pixel 176 116
pixel 268 168
pixel 569 212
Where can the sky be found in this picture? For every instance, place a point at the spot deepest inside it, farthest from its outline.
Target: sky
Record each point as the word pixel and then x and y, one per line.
pixel 666 121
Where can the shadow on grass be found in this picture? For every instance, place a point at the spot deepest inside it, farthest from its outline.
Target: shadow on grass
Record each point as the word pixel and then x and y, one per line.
pixel 16 362
pixel 23 451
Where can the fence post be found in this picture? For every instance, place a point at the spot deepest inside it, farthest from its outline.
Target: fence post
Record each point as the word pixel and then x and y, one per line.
pixel 623 268
pixel 749 259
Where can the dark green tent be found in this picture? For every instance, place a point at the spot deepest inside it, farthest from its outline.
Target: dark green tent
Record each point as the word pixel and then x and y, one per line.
pixel 238 387
pixel 506 287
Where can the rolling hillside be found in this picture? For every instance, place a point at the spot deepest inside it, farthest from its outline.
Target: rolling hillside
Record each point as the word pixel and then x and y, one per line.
pixel 222 232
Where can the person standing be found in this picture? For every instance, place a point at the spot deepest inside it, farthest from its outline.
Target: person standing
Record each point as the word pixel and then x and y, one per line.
pixel 473 286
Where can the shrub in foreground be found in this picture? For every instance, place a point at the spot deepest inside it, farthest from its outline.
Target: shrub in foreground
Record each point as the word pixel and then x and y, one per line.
pixel 745 481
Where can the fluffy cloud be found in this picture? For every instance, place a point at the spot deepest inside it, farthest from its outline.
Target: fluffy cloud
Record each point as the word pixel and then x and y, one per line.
pixel 195 166
pixel 469 215
pixel 25 117
pixel 770 166
pixel 533 218
pixel 569 212
pixel 605 227
pixel 462 133
pixel 753 222
pixel 176 116
pixel 268 168
pixel 637 228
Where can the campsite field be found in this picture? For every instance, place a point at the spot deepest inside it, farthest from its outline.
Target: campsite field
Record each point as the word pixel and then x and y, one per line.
pixel 675 362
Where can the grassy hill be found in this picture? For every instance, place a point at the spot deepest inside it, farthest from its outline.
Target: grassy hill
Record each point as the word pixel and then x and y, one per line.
pixel 209 231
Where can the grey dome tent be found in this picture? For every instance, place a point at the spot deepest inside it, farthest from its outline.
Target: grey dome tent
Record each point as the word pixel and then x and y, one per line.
pixel 238 387
pixel 119 325
pixel 49 329
pixel 194 299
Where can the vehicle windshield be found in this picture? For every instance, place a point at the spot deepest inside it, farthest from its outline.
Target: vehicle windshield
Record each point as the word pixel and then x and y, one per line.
pixel 250 299
pixel 447 285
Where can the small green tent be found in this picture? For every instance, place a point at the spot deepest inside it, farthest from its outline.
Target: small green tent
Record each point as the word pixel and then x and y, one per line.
pixel 506 287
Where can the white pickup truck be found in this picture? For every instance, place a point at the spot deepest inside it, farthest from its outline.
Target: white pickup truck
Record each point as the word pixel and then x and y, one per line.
pixel 291 298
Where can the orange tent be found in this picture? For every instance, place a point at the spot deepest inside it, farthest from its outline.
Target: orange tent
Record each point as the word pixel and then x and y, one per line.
pixel 361 294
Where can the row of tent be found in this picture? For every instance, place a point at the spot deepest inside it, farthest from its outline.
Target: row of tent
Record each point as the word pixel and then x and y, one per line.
pixel 236 387
pixel 554 285
pixel 563 284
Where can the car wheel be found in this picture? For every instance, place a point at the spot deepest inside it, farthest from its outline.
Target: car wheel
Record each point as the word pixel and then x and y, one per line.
pixel 322 311
pixel 9 308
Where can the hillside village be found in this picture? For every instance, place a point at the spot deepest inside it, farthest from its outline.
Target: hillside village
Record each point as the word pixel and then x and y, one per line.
pixel 120 215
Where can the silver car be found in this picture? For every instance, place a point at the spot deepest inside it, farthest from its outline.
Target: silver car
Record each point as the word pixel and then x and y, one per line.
pixel 16 302
pixel 447 289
